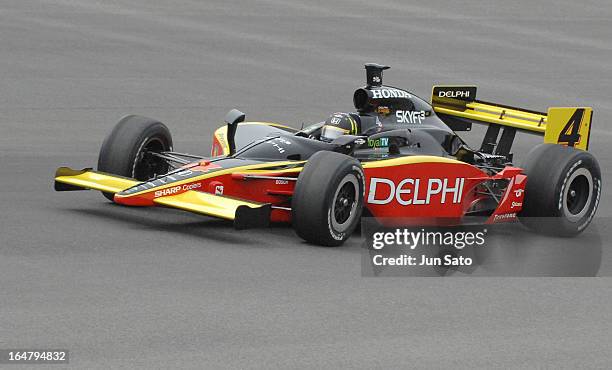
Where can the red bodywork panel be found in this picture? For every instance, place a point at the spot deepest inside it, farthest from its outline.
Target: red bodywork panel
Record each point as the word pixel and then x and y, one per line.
pixel 424 189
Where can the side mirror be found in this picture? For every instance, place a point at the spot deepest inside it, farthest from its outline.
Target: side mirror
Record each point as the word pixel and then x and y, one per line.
pixel 233 118
pixel 346 144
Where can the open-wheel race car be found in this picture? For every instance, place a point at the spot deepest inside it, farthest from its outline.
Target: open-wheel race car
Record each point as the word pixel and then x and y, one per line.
pixel 396 158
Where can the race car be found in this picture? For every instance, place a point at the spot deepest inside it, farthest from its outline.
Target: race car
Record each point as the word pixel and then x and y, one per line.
pixel 396 158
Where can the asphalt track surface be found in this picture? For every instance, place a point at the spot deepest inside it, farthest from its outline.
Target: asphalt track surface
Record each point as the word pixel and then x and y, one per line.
pixel 124 288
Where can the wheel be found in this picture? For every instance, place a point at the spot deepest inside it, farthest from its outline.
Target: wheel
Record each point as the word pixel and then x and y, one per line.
pixel 328 199
pixel 563 190
pixel 125 150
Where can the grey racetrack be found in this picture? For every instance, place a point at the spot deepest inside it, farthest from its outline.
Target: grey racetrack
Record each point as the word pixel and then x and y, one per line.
pixel 157 288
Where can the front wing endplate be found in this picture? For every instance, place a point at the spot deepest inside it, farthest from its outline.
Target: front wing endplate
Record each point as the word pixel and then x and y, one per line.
pixel 245 214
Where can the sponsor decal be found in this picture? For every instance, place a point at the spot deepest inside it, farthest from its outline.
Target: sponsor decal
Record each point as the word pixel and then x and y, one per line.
pixel 195 185
pixel 504 216
pixel 282 182
pixel 335 120
pixel 278 142
pixel 283 140
pixel 219 190
pixel 383 110
pixel 411 191
pixel 461 94
pixel 389 92
pixel 409 116
pixel 175 189
pixel 519 192
pixel 175 176
pixel 277 146
pixel 516 204
pixel 381 142
pixel 169 191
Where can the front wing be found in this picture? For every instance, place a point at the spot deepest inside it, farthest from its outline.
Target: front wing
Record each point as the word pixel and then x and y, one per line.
pixel 245 214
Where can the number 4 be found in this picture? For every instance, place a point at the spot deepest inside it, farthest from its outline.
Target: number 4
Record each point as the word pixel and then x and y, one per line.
pixel 570 134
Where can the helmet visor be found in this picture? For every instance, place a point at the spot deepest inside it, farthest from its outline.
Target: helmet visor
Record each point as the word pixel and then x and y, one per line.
pixel 330 133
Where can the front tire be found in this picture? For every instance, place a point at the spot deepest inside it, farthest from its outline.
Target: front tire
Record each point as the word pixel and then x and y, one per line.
pixel 563 190
pixel 124 151
pixel 328 199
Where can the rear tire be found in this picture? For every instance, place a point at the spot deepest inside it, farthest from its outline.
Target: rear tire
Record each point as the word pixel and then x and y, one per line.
pixel 328 199
pixel 563 190
pixel 123 152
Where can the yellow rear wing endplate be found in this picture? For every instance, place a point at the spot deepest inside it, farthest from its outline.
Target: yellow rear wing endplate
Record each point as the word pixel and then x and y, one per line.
pixel 569 126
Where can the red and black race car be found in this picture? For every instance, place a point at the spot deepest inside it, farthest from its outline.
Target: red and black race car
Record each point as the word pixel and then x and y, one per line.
pixel 396 158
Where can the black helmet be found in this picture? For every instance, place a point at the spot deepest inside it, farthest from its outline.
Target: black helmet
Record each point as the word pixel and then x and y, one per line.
pixel 338 124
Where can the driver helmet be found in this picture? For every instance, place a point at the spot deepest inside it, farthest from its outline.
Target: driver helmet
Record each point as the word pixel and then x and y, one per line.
pixel 338 124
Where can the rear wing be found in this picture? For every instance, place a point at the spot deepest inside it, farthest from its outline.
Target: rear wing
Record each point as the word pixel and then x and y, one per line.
pixel 457 105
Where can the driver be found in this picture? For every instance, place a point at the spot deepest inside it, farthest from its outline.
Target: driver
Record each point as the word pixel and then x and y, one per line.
pixel 339 124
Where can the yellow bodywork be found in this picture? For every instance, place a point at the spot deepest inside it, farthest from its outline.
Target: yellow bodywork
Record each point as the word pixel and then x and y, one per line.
pixel 409 160
pixel 206 204
pixel 90 179
pixel 569 126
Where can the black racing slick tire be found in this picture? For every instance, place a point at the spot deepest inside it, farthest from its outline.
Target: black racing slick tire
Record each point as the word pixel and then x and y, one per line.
pixel 328 199
pixel 124 152
pixel 562 192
